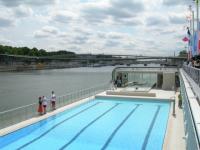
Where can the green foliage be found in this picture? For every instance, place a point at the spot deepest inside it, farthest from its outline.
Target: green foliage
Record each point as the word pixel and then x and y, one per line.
pixel 33 52
pixel 183 53
pixel 179 97
pixel 180 101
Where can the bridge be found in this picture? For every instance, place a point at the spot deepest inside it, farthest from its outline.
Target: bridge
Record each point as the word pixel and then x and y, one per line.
pixel 91 57
pixel 84 60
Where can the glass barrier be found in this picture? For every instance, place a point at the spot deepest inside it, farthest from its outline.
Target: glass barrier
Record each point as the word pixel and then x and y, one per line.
pixel 14 116
pixel 194 73
pixel 192 141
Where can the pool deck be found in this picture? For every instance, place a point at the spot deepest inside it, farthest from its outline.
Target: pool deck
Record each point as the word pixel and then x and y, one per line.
pixel 174 138
pixel 159 94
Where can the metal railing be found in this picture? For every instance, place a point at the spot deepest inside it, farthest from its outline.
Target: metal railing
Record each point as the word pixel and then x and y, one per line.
pixel 16 115
pixel 192 139
pixel 194 73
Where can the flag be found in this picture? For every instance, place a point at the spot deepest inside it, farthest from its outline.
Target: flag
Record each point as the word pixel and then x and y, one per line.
pixel 185 39
pixel 188 32
pixel 194 44
pixel 198 50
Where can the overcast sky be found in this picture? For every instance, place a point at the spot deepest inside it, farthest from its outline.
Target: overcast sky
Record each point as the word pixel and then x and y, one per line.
pixel 137 27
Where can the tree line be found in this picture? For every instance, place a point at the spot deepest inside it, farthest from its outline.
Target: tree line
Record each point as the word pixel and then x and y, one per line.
pixel 32 51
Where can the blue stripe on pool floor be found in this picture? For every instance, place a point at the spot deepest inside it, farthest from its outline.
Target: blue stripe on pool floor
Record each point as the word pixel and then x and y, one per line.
pixel 150 128
pixel 118 127
pixel 46 132
pixel 89 124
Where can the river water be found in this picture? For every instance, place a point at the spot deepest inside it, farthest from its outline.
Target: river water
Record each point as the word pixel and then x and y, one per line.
pixel 23 88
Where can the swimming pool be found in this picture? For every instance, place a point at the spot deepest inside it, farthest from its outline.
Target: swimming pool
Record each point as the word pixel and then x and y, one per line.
pixel 113 124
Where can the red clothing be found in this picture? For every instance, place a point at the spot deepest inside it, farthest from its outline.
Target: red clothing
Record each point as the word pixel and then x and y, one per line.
pixel 40 109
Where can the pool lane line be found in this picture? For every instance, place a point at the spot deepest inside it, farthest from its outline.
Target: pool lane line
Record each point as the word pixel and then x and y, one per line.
pixel 46 132
pixel 150 128
pixel 89 124
pixel 119 126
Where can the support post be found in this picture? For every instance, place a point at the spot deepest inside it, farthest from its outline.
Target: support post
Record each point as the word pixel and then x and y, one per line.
pixel 173 101
pixel 174 107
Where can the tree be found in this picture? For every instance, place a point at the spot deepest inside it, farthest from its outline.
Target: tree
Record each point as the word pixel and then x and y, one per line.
pixel 34 52
pixel 183 53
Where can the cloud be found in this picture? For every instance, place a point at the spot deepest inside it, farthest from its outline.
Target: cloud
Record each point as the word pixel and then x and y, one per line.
pixel 128 22
pixel 16 3
pixel 175 2
pixel 167 32
pixel 4 41
pixel 101 35
pixel 79 40
pixel 119 12
pixel 22 11
pixel 156 21
pixel 114 35
pixel 175 19
pixel 6 22
pixel 83 31
pixel 95 13
pixel 111 43
pixel 46 31
pixel 63 16
pixel 111 26
pixel 125 8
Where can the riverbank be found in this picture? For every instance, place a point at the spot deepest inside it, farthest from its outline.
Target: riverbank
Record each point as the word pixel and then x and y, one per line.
pixel 38 66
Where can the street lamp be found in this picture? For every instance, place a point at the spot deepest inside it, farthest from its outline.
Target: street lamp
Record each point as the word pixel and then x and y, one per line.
pixel 197 9
pixel 191 19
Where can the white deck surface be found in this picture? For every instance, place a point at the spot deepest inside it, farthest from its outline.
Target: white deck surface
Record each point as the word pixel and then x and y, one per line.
pixel 175 136
pixel 160 94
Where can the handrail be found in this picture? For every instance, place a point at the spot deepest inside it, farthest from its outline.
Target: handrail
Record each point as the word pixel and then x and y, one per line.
pixel 190 125
pixel 16 115
pixel 10 110
pixel 137 67
pixel 13 109
pixel 193 72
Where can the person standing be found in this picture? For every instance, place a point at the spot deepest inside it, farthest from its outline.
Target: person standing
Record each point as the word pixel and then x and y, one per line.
pixel 40 107
pixel 53 100
pixel 44 104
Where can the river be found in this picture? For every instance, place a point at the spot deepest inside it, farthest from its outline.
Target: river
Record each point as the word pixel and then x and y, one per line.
pixel 23 88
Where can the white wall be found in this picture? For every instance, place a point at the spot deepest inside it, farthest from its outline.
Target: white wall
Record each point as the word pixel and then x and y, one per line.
pixel 168 81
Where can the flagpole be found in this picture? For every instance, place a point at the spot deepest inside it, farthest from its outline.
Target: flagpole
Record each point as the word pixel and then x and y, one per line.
pixel 191 17
pixel 190 30
pixel 192 22
pixel 197 7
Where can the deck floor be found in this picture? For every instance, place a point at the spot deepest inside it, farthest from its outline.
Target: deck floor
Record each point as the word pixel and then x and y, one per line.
pixel 175 137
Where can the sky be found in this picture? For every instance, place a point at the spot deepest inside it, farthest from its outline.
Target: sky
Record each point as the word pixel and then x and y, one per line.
pixel 135 27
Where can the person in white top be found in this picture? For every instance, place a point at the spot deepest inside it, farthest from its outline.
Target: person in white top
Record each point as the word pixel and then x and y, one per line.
pixel 44 104
pixel 53 100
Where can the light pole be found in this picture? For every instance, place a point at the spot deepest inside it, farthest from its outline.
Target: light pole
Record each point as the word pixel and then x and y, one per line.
pixel 197 8
pixel 190 31
pixel 191 19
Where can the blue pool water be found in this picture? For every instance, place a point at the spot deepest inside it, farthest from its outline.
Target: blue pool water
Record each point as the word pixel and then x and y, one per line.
pixel 97 125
